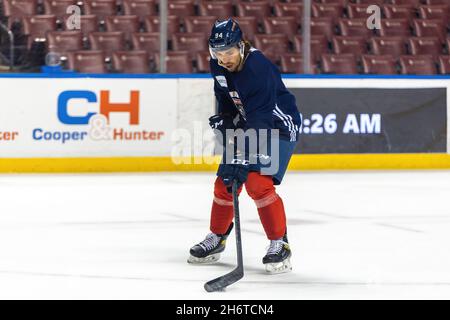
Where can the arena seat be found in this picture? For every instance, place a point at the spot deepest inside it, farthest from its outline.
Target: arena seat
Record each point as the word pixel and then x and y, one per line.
pixel 15 10
pixel 101 8
pixel 259 10
pixel 249 26
pixel 321 10
pixel 440 12
pixel 339 63
pixel 354 45
pixel 190 42
pixel 420 65
pixel 108 42
pixel 181 9
pixel 425 46
pixel 357 11
pixel 444 64
pixel 90 61
pixel 140 8
pixel 58 8
pixel 151 24
pixel 202 59
pixel 177 62
pixel 89 23
pixel 131 61
pixel 413 3
pixel 286 25
pixel 319 46
pixel 218 9
pixel 378 64
pixel 395 27
pixel 322 26
pixel 148 41
pixel 64 41
pixel 199 24
pixel 36 27
pixel 436 2
pixel 394 46
pixel 354 27
pixel 429 28
pixel 293 63
pixel 399 11
pixel 288 10
pixel 125 24
pixel 273 45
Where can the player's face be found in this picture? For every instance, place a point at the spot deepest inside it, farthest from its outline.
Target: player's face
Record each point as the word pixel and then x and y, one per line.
pixel 229 59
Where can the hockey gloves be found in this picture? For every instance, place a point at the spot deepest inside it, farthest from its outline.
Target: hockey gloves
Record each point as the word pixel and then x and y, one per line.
pixel 221 123
pixel 237 170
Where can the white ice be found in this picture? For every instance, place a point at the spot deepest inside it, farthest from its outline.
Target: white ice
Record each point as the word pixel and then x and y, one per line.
pixel 354 235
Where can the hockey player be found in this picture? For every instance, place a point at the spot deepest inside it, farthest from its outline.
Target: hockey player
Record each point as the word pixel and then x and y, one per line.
pixel 250 95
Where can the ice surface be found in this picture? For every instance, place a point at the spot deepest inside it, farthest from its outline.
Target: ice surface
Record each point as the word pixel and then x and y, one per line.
pixel 354 235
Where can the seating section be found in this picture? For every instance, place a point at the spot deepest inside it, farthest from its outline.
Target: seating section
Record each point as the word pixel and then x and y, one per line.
pixel 123 35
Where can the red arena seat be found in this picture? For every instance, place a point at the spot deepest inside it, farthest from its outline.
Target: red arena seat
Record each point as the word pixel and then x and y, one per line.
pixel 147 41
pixel 394 46
pixel 339 64
pixel 87 61
pixel 140 8
pixel 219 9
pixel 202 59
pixel 374 64
pixel 260 10
pixel 286 25
pixel 152 24
pixel 429 28
pixel 440 12
pixel 354 45
pixel 108 42
pixel 288 9
pixel 425 46
pixel 190 42
pixel 101 8
pixel 249 26
pixel 273 45
pixel 422 65
pixel 125 24
pixel 354 27
pixel 131 61
pixel 395 27
pixel 64 41
pixel 59 8
pixel 36 27
pixel 398 11
pixel 199 24
pixel 444 64
pixel 177 62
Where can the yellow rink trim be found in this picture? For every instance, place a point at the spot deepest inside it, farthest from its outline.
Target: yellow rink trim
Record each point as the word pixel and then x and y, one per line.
pixel 155 164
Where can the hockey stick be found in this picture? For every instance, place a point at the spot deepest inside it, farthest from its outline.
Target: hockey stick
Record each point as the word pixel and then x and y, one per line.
pixel 220 283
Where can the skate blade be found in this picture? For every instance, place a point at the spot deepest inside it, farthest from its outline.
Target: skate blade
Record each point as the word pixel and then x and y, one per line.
pixel 280 267
pixel 207 260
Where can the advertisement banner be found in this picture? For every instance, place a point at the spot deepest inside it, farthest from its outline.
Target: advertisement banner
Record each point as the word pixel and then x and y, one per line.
pixel 86 117
pixel 372 120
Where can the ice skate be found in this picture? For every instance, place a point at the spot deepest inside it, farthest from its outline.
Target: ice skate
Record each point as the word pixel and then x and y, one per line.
pixel 208 251
pixel 277 259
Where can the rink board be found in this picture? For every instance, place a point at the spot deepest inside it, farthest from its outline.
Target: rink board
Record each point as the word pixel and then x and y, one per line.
pixel 126 123
pixel 164 164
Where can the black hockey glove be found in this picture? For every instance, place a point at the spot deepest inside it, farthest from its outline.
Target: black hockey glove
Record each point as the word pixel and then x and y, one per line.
pixel 221 123
pixel 237 170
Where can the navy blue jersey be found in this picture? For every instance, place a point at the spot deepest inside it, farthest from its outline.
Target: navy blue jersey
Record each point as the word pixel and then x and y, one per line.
pixel 258 94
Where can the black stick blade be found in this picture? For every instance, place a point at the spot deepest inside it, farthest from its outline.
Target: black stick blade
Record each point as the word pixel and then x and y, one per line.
pixel 220 283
